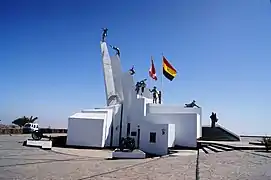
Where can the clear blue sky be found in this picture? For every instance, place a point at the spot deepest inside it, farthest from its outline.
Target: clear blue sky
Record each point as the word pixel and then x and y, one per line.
pixel 50 63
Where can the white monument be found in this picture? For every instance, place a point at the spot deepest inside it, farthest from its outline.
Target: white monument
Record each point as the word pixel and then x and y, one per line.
pixel 155 127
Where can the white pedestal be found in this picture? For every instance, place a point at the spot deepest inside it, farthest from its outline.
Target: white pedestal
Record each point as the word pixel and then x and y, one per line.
pixel 40 144
pixel 136 154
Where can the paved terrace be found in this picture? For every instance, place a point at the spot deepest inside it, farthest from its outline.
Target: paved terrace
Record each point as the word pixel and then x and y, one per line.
pixel 18 162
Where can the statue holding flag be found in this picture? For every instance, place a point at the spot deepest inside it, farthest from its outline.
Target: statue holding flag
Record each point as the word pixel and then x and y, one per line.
pixel 142 85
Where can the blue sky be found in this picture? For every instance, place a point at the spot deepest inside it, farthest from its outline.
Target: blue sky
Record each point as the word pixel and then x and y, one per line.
pixel 50 63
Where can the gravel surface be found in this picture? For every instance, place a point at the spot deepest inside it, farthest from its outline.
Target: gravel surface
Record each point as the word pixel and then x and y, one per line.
pixel 235 165
pixel 18 162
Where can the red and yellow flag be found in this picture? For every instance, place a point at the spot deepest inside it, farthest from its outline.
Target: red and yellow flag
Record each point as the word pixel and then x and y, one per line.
pixel 168 70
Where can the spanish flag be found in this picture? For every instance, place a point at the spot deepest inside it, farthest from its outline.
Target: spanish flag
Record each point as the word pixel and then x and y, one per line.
pixel 168 70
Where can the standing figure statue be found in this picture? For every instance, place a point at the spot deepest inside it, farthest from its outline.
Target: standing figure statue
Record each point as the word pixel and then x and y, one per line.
pixel 104 35
pixel 132 71
pixel 116 49
pixel 192 104
pixel 159 97
pixel 214 119
pixel 154 95
pixel 137 87
pixel 142 85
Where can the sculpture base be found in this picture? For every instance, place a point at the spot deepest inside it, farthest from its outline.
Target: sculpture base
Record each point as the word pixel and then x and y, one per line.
pixel 135 154
pixel 43 144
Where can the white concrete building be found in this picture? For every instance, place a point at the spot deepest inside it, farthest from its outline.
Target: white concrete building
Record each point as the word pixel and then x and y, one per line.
pixel 155 127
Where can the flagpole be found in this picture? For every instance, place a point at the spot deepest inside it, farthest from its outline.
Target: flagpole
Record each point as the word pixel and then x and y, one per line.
pixel 162 93
pixel 150 76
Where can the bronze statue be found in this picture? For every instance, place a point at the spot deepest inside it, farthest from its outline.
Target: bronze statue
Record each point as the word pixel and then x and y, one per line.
pixel 127 144
pixel 137 87
pixel 104 35
pixel 214 119
pixel 192 104
pixel 154 95
pixel 159 97
pixel 116 49
pixel 132 71
pixel 142 85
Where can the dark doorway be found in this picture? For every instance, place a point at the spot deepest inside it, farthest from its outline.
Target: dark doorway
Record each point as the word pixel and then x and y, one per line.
pixel 128 129
pixel 138 137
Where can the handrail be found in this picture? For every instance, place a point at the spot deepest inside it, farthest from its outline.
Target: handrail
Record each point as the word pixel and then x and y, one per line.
pixel 228 131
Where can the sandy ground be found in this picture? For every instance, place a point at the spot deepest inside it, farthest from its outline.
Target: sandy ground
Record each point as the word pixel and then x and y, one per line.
pixel 19 162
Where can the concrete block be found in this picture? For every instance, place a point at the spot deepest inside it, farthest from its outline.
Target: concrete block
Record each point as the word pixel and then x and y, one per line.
pixel 41 144
pixel 136 154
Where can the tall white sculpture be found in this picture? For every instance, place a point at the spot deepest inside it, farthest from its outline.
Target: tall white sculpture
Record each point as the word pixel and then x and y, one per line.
pixel 110 90
pixel 134 115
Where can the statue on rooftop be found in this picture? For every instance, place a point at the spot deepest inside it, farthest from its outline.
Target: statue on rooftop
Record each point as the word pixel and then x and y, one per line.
pixel 214 119
pixel 159 97
pixel 143 85
pixel 116 49
pixel 137 87
pixel 154 95
pixel 191 105
pixel 104 35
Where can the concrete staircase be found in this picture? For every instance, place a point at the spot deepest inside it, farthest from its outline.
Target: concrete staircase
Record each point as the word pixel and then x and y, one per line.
pixel 218 133
pixel 213 148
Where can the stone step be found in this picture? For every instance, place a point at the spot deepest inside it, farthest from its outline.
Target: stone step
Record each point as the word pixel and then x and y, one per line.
pixel 223 148
pixel 204 150
pixel 214 149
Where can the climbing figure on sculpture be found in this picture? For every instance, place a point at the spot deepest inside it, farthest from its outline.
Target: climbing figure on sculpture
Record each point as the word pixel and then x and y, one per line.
pixel 132 71
pixel 104 35
pixel 137 87
pixel 142 85
pixel 192 104
pixel 214 119
pixel 116 49
pixel 154 95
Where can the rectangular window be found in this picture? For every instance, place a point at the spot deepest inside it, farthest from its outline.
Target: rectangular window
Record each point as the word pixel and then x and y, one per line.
pixel 133 133
pixel 152 137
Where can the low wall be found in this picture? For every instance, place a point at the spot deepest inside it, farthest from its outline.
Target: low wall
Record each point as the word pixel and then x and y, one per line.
pixel 20 131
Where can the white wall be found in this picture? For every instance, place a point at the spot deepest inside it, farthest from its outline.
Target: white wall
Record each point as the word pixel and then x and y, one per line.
pixel 117 76
pixel 129 97
pixel 107 115
pixel 199 126
pixel 171 135
pixel 85 132
pixel 116 124
pixel 171 109
pixel 160 147
pixel 185 126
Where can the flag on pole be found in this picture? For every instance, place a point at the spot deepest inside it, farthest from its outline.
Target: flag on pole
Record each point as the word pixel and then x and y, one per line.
pixel 152 71
pixel 168 70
